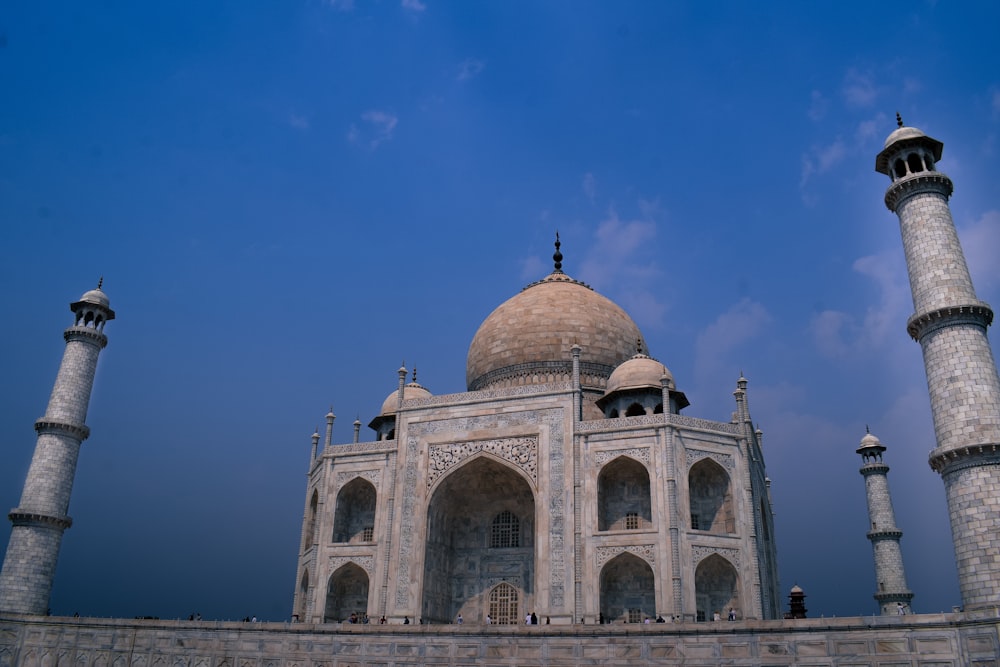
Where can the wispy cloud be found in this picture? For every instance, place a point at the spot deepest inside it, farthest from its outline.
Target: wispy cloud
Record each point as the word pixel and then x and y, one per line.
pixel 839 335
pixel 377 128
pixel 820 159
pixel 621 266
pixel 589 186
pixel 298 122
pixel 980 241
pixel 859 89
pixel 818 105
pixel 413 5
pixel 469 69
pixel 341 5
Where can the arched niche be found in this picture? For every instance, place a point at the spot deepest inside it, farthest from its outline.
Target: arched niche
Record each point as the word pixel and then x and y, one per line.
pixel 347 593
pixel 623 496
pixel 471 519
pixel 628 590
pixel 354 517
pixel 716 588
pixel 711 498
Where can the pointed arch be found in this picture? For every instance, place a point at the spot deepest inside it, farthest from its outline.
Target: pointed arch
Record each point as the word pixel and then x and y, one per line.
pixel 635 410
pixel 354 517
pixel 462 560
pixel 717 587
pixel 628 589
pixel 623 495
pixel 711 498
pixel 311 518
pixel 346 593
pixel 303 598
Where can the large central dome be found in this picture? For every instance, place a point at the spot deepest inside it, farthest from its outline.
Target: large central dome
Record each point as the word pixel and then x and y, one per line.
pixel 529 338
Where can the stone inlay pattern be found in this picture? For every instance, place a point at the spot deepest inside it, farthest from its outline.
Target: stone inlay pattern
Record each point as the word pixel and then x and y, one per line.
pixel 550 421
pixel 522 452
pixel 346 476
pixel 700 553
pixel 637 453
pixel 694 455
pixel 366 563
pixel 645 551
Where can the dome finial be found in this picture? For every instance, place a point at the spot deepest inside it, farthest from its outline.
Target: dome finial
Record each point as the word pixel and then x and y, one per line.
pixel 557 256
pixel 867 430
pixel 100 281
pixel 899 120
pixel 414 375
pixel 638 346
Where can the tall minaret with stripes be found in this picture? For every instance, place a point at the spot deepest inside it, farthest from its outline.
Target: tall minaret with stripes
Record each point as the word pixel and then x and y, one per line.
pixel 41 517
pixel 950 324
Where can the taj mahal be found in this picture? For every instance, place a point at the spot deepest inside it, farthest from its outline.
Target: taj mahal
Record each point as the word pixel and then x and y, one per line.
pixel 573 483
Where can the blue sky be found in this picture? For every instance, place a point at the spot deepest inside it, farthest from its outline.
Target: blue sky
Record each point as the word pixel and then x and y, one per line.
pixel 286 200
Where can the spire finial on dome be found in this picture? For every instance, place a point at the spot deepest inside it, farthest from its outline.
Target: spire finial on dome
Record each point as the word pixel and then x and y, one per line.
pixel 414 375
pixel 100 281
pixel 638 346
pixel 557 256
pixel 899 120
pixel 867 430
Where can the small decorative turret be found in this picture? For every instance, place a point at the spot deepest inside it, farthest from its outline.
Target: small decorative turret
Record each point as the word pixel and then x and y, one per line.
pixel 796 603
pixel 893 595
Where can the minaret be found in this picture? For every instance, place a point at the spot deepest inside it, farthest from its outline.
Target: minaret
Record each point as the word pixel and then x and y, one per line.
pixel 41 517
pixel 893 595
pixel 950 324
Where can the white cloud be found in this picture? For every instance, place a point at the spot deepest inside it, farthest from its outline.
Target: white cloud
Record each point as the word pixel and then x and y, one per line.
pixel 859 89
pixel 589 186
pixel 377 128
pixel 740 323
pixel 821 159
pixel 413 5
pixel 469 69
pixel 839 335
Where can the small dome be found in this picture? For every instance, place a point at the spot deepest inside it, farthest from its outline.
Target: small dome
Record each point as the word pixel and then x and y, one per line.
pixel 639 372
pixel 796 589
pixel 903 133
pixel 870 441
pixel 412 390
pixel 97 297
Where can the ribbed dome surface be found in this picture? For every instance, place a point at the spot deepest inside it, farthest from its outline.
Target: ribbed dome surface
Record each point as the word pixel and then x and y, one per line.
pixel 534 331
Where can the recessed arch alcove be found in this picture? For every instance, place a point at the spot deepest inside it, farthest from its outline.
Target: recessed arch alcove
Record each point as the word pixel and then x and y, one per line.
pixel 716 588
pixel 628 589
pixel 480 532
pixel 346 593
pixel 623 496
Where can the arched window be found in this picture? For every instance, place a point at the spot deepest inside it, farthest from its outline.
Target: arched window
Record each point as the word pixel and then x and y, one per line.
pixel 899 168
pixel 635 410
pixel 354 518
pixel 711 498
pixel 503 605
pixel 310 535
pixel 623 496
pixel 913 160
pixel 505 533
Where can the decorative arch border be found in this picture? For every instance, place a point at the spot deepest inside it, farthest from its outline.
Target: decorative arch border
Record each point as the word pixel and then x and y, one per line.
pixel 700 553
pixel 366 563
pixel 521 453
pixel 646 552
pixel 696 455
pixel 346 476
pixel 640 454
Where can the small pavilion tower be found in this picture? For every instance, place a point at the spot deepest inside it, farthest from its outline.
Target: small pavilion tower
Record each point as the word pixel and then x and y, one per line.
pixel 893 595
pixel 41 517
pixel 950 324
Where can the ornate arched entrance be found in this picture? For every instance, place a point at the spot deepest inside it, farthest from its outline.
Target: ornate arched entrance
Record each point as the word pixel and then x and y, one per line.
pixel 347 593
pixel 628 590
pixel 716 588
pixel 480 533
